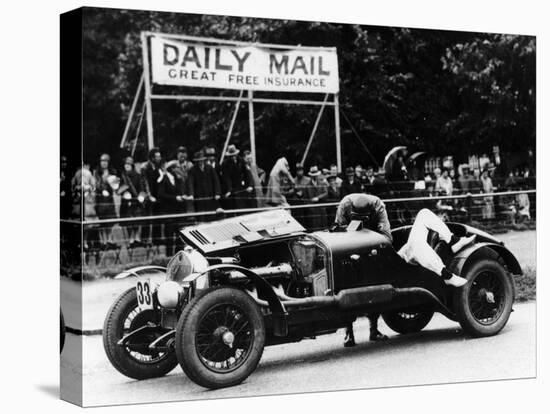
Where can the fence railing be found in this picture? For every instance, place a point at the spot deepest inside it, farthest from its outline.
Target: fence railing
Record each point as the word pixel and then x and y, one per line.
pixel 105 246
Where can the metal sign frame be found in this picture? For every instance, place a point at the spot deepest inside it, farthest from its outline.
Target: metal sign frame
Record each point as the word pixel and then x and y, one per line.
pixel 146 84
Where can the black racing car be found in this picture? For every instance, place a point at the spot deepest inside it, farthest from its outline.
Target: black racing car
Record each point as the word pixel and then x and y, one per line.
pixel 244 283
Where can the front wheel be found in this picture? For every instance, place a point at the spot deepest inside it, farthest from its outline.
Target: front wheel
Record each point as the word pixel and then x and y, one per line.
pixel 484 304
pixel 405 322
pixel 135 359
pixel 220 338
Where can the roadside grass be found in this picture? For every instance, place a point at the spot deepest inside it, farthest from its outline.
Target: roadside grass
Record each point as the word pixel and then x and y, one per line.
pixel 526 285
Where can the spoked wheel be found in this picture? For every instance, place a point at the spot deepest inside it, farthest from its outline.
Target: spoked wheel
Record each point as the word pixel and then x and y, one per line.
pixel 483 306
pixel 406 322
pixel 220 338
pixel 134 358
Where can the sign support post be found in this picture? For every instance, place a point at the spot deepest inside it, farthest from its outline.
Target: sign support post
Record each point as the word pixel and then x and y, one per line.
pixel 231 125
pixel 337 131
pixel 131 114
pixel 251 125
pixel 148 106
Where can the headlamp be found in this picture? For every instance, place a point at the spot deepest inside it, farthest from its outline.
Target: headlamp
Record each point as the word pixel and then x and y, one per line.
pixel 184 263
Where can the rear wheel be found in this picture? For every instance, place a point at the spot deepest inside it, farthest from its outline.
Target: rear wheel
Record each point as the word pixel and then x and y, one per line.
pixel 220 338
pixel 483 306
pixel 135 360
pixel 405 322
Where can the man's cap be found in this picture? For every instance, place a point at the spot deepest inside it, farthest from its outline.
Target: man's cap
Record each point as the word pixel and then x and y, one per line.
pixel 350 171
pixel 199 156
pixel 361 204
pixel 210 151
pixel 232 150
pixel 299 166
pixel 314 171
pixel 129 160
pixel 105 157
pixel 181 149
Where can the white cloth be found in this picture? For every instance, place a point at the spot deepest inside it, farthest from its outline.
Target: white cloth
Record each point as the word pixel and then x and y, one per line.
pixel 417 250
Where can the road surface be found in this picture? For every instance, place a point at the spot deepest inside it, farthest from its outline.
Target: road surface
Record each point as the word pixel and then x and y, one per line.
pixel 440 353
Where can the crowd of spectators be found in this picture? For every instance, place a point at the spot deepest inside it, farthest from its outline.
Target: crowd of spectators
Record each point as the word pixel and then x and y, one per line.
pixel 201 184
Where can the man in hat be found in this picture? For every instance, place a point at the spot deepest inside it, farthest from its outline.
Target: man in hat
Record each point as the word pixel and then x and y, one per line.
pixel 257 178
pixel 350 184
pixel 371 212
pixel 237 185
pixel 211 159
pixel 203 184
pixel 181 171
pixel 299 193
pixel 132 200
pixel 316 192
pixel 172 202
pixel 334 172
pixel 151 172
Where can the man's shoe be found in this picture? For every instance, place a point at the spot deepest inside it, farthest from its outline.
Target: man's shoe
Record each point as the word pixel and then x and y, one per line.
pixel 377 336
pixel 456 281
pixel 349 342
pixel 462 242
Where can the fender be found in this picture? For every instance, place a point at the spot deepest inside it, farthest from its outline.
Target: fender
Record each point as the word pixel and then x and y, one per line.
pixel 135 271
pixel 277 308
pixel 465 257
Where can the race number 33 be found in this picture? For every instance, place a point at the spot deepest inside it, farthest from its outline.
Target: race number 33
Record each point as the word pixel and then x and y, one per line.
pixel 144 294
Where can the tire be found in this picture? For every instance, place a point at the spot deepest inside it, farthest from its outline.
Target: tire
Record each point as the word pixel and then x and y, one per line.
pixel 407 322
pixel 158 365
pixel 201 345
pixel 475 312
pixel 62 331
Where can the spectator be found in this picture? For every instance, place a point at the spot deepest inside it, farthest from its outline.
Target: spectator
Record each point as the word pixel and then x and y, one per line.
pixel 237 183
pixel 212 160
pixel 83 188
pixel 511 181
pixel 151 174
pixel 171 202
pixel 280 184
pixel 181 171
pixel 436 173
pixel 444 184
pixel 132 201
pixel 333 196
pixel 372 183
pixel 334 172
pixel 523 206
pixel 105 205
pixel 257 179
pixel 65 201
pixel 351 183
pixel 299 194
pixel 488 209
pixel 360 175
pixel 333 191
pixel 465 179
pixel 204 184
pixel 317 192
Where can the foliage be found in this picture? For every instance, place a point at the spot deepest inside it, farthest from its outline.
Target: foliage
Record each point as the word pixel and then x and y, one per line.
pixel 439 91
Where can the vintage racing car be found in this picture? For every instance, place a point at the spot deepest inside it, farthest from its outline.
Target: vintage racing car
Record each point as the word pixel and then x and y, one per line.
pixel 243 283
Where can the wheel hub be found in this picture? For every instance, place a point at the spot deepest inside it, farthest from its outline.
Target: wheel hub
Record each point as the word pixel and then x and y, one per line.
pixel 228 338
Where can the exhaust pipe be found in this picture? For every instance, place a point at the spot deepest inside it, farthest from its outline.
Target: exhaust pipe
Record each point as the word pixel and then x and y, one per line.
pixel 360 297
pixel 345 299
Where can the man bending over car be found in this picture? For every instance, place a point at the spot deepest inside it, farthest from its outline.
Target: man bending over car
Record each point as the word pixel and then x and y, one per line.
pixel 370 210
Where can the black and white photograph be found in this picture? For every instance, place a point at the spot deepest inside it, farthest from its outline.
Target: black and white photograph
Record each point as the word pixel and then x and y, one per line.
pixel 263 206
